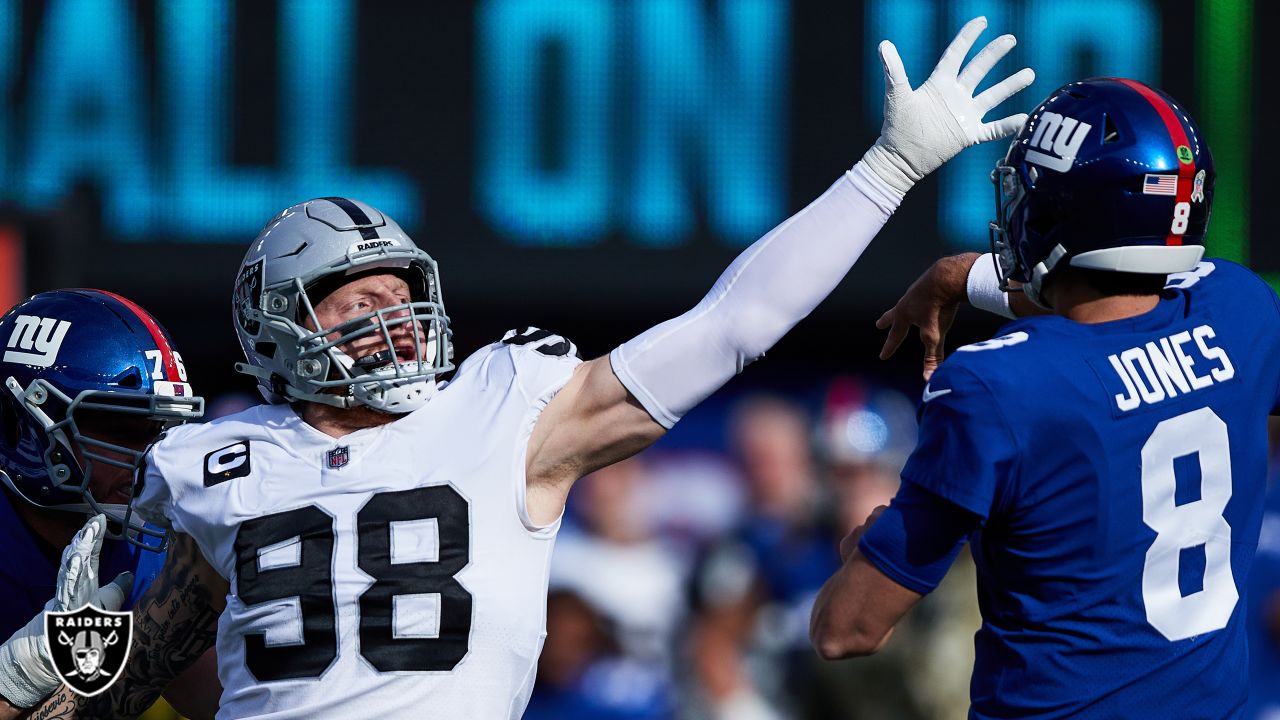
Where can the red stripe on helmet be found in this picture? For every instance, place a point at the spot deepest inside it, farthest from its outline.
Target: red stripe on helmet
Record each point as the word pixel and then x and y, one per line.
pixel 1178 135
pixel 162 343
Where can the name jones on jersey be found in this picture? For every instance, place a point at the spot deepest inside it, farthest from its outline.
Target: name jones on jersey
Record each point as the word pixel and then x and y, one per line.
pixel 1174 365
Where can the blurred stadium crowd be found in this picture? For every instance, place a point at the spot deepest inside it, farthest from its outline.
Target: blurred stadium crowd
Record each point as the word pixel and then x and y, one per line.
pixel 682 579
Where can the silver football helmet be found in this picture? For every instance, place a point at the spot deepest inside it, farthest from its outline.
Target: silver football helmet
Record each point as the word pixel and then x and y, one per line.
pixel 307 251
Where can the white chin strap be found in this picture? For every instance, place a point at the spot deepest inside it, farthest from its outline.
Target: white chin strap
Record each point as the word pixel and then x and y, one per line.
pixel 1039 273
pixel 381 390
pixel 404 396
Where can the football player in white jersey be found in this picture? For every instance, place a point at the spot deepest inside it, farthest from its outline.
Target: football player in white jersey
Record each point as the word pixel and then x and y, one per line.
pixel 374 541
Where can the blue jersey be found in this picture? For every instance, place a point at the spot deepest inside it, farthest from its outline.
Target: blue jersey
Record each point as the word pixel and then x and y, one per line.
pixel 29 568
pixel 1119 470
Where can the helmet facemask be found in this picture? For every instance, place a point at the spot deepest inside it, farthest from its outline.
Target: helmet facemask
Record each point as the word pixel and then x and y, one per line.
pixel 55 414
pixel 1010 191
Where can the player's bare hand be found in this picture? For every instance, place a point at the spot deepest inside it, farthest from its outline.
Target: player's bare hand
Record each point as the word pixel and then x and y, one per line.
pixel 850 542
pixel 930 304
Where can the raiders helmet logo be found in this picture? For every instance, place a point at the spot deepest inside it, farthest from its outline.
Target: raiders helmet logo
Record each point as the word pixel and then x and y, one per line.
pixel 247 296
pixel 88 646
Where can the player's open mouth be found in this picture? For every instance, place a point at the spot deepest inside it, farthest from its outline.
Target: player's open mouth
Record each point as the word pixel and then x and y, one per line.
pixel 385 358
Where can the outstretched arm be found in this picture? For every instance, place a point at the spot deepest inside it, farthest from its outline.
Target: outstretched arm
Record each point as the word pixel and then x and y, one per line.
pixel 174 623
pixel 615 406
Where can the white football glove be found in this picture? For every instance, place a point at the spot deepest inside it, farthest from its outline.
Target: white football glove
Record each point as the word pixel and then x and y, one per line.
pixel 27 674
pixel 926 127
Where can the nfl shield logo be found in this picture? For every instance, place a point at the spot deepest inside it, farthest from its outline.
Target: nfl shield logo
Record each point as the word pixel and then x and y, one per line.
pixel 88 646
pixel 338 457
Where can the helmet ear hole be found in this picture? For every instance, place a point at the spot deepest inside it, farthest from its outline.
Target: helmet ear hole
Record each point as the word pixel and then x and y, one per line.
pixel 130 378
pixel 1109 132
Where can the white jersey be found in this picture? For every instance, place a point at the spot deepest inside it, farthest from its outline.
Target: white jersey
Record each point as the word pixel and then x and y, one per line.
pixel 393 573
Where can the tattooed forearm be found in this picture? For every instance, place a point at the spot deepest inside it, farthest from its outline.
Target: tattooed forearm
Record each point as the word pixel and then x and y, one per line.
pixel 61 704
pixel 174 623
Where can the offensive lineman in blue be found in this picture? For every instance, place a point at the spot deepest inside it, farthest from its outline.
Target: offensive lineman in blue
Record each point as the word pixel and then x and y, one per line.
pixel 1106 462
pixel 89 380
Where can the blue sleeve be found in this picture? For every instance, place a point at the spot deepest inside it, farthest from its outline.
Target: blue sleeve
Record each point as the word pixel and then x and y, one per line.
pixel 147 566
pixel 915 541
pixel 967 452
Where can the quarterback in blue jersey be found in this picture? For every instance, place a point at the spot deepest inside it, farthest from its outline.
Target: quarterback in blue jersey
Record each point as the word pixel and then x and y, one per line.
pixel 90 379
pixel 1106 462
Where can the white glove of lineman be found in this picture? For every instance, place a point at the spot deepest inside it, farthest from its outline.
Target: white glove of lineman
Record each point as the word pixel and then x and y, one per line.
pixel 926 127
pixel 27 674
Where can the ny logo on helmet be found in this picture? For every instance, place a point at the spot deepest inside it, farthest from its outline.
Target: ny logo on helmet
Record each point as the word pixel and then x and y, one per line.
pixel 88 646
pixel 1059 135
pixel 41 335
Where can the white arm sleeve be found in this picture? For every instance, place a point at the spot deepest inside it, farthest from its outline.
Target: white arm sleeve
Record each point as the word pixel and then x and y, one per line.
pixel 770 287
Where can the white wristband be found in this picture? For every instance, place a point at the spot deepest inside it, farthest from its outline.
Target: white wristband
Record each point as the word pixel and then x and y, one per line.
pixel 984 287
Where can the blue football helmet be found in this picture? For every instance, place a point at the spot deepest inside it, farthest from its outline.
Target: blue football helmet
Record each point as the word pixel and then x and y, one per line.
pixel 1107 174
pixel 74 355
